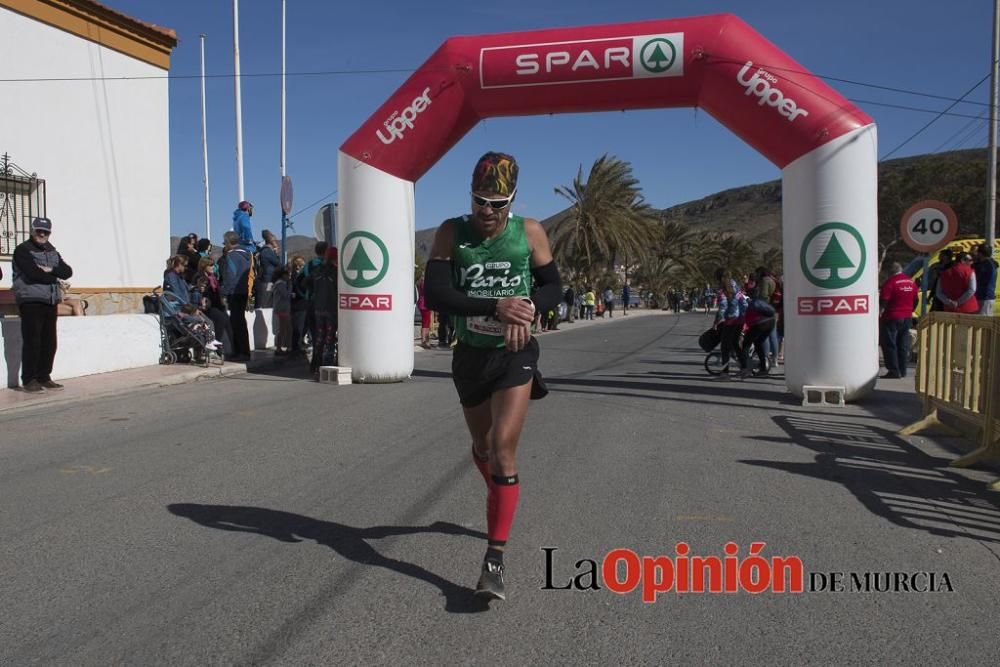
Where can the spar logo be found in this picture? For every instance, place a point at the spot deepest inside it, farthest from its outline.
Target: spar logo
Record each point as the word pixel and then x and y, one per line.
pixel 582 61
pixel 762 84
pixel 369 259
pixel 365 301
pixel 401 121
pixel 833 255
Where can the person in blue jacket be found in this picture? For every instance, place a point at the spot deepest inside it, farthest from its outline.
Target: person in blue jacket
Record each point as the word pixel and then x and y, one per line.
pixel 242 226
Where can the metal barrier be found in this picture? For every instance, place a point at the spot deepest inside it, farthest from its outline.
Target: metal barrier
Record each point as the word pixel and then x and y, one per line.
pixel 957 374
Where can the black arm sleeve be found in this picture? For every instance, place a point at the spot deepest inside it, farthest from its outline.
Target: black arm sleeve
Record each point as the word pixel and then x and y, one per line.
pixel 548 288
pixel 442 296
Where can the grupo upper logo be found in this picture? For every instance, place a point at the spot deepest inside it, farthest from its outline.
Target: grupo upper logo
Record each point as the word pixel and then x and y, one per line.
pixel 833 255
pixel 582 61
pixel 763 84
pixel 401 121
pixel 367 259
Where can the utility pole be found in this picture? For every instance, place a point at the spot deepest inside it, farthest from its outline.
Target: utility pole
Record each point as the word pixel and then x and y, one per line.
pixel 204 143
pixel 284 214
pixel 991 203
pixel 239 102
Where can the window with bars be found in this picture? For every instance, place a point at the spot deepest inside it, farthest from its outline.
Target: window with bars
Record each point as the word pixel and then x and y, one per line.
pixel 22 199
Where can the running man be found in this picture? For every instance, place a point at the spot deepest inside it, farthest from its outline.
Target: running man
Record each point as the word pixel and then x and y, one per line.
pixel 481 271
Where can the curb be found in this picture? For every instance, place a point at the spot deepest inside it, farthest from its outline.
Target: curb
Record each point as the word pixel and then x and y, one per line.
pixel 55 400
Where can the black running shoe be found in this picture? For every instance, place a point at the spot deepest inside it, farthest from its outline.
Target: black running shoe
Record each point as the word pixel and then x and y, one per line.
pixel 491 581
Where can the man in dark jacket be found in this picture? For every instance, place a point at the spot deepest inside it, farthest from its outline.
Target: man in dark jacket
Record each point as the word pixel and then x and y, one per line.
pixel 38 268
pixel 985 268
pixel 235 288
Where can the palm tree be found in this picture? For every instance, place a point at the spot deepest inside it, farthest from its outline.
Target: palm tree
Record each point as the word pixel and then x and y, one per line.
pixel 608 219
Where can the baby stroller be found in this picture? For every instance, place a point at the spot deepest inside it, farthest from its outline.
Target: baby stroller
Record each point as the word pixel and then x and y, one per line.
pixel 185 336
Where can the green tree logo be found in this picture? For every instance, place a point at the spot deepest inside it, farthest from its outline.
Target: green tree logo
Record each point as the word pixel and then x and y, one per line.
pixel 833 259
pixel 360 262
pixel 654 58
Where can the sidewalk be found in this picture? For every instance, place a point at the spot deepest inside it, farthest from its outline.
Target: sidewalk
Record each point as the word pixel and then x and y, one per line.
pixel 102 385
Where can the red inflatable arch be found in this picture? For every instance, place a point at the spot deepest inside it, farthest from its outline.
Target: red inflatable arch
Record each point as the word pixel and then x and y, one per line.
pixel 824 144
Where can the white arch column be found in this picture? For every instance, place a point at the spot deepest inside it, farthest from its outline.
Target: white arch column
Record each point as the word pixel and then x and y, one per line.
pixel 830 238
pixel 376 244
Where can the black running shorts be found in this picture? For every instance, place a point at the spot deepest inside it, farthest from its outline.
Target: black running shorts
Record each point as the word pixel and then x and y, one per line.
pixel 480 371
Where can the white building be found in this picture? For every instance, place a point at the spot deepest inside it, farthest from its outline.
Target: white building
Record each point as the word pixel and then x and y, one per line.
pixel 84 109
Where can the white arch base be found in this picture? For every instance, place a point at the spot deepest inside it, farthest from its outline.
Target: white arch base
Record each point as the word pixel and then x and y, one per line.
pixel 376 344
pixel 837 182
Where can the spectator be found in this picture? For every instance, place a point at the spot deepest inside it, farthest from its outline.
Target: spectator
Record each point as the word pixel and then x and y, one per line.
pixel 425 317
pixel 206 294
pixel 729 318
pixel 300 303
pixel 270 259
pixel 173 278
pixel 897 299
pixel 609 302
pixel 281 317
pixel 589 301
pixel 569 298
pixel 759 322
pixel 945 260
pixel 235 290
pixel 446 330
pixel 38 267
pixel 324 286
pixel 242 226
pixel 306 277
pixel 986 279
pixel 187 248
pixel 956 287
pixel 767 290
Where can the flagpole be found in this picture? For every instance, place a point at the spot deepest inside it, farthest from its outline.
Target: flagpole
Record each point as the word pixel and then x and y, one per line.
pixel 239 103
pixel 284 216
pixel 204 143
pixel 991 205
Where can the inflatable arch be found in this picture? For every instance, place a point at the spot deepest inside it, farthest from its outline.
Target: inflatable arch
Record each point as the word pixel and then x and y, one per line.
pixel 825 146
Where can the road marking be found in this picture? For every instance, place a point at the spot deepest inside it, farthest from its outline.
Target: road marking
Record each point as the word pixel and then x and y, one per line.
pixel 704 517
pixel 90 470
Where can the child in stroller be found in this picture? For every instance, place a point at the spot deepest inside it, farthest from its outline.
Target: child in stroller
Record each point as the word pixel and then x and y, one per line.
pixel 184 332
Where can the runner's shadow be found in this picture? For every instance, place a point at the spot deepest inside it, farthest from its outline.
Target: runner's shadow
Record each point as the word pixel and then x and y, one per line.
pixel 348 541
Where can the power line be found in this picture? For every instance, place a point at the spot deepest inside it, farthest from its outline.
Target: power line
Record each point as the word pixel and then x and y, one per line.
pixel 961 130
pixel 936 118
pixel 306 208
pixel 909 108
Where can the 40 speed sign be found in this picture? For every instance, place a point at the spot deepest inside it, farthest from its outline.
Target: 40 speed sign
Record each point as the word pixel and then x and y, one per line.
pixel 928 226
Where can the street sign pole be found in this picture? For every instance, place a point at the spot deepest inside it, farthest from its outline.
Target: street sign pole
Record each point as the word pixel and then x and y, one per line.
pixel 285 197
pixel 284 238
pixel 923 286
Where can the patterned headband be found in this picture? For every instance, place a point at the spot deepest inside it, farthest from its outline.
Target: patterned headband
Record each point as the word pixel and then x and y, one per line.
pixel 495 172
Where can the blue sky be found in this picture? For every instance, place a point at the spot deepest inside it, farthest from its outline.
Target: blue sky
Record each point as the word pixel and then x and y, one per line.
pixel 677 154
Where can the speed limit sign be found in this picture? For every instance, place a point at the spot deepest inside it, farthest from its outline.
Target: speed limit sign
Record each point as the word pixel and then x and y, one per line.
pixel 928 225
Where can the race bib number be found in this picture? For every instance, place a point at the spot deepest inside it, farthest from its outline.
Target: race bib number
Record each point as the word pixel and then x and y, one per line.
pixel 484 324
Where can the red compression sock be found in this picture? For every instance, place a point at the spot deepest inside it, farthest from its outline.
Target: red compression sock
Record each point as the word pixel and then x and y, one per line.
pixel 501 504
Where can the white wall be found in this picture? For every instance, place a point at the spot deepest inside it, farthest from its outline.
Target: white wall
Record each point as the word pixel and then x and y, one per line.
pixel 101 146
pixel 89 345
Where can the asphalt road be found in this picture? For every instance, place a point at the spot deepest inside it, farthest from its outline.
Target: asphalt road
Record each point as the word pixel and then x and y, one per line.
pixel 266 519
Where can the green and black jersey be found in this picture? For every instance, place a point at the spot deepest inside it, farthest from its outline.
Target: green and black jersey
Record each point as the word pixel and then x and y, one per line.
pixel 493 268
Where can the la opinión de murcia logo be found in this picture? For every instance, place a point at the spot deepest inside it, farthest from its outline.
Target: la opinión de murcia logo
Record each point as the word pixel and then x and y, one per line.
pixel 400 121
pixel 623 571
pixel 763 84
